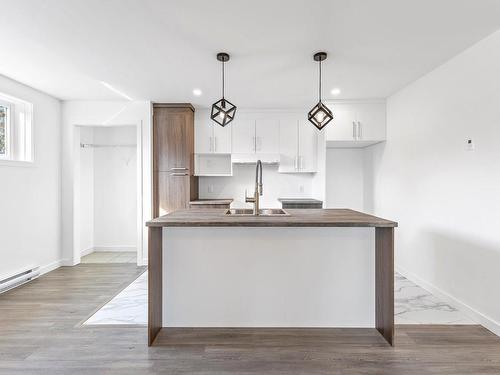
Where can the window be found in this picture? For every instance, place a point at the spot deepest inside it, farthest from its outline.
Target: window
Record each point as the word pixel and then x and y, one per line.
pixel 4 130
pixel 15 130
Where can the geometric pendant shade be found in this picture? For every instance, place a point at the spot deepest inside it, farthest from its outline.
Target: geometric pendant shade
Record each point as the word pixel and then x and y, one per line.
pixel 320 115
pixel 223 110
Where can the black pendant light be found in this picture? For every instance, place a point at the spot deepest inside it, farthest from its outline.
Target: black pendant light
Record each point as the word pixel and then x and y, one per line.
pixel 223 110
pixel 320 115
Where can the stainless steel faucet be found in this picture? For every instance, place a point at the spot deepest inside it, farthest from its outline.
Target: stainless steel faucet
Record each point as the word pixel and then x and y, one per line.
pixel 258 189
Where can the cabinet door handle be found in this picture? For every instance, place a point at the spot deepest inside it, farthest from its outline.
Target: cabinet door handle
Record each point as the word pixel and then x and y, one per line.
pixel 354 132
pixel 360 130
pixel 178 174
pixel 296 163
pixel 178 169
pixel 301 162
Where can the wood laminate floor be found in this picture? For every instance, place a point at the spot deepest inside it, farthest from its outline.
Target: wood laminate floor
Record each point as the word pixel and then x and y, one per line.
pixel 41 333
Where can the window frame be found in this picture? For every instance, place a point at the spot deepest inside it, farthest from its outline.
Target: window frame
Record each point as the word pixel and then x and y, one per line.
pixel 20 145
pixel 8 131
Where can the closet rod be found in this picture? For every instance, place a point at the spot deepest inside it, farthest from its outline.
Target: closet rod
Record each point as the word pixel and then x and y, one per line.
pixel 86 145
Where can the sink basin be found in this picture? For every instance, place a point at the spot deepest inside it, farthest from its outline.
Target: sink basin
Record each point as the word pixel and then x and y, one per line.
pixel 262 212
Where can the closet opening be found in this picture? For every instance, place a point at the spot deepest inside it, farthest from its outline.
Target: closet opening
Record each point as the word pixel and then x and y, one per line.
pixel 107 195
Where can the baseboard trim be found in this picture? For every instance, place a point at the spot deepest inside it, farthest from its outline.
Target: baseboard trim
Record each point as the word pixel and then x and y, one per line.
pixel 50 267
pixel 128 249
pixel 88 251
pixel 67 263
pixel 470 312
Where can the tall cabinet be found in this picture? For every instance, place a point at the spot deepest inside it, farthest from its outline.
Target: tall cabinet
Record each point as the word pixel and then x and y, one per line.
pixel 174 183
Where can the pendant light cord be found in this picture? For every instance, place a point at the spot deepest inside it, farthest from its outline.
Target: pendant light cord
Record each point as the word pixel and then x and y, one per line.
pixel 222 79
pixel 319 80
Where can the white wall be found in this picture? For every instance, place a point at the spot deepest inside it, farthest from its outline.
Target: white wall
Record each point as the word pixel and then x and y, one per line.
pixel 447 199
pixel 100 113
pixel 86 243
pixel 276 185
pixel 115 189
pixel 30 210
pixel 345 171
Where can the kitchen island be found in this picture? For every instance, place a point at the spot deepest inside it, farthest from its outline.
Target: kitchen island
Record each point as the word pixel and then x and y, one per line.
pixel 309 268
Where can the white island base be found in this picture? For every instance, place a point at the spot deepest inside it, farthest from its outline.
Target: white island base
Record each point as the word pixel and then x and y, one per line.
pixel 268 277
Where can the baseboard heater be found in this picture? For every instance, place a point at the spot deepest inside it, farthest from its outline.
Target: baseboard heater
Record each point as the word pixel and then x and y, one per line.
pixel 19 278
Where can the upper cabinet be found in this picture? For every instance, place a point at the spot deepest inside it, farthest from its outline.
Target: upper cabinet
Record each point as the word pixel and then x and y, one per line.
pixel 371 121
pixel 308 147
pixel 343 125
pixel 283 137
pixel 244 136
pixel 356 124
pixel 267 136
pixel 255 138
pixel 298 146
pixel 211 137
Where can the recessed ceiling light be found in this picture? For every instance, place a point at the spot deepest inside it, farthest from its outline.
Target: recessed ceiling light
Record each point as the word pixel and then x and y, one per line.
pixel 335 92
pixel 197 92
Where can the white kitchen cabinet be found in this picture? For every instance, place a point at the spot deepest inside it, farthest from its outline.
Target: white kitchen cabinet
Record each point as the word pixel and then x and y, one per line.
pixel 255 139
pixel 342 127
pixel 222 139
pixel 356 123
pixel 243 136
pixel 267 136
pixel 308 147
pixel 211 137
pixel 203 133
pixel 298 146
pixel 371 121
pixel 213 164
pixel 289 145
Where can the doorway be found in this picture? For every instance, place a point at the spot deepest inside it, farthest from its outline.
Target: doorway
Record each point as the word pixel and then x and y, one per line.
pixel 107 195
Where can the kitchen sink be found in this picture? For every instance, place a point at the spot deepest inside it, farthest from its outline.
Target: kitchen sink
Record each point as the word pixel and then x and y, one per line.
pixel 262 212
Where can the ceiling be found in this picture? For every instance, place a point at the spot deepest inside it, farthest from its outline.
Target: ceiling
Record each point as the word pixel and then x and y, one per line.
pixel 161 50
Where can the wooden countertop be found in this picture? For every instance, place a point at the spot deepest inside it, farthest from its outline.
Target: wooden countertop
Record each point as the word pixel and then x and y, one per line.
pixel 212 201
pixel 298 218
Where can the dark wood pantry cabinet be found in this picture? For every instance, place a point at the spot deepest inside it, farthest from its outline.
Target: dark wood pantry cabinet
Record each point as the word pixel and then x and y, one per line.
pixel 174 183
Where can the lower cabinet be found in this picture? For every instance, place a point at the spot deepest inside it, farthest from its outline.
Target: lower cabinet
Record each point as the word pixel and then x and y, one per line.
pixel 175 191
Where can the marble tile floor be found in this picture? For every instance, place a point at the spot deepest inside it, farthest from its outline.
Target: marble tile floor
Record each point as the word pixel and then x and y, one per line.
pixel 110 257
pixel 130 306
pixel 413 305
